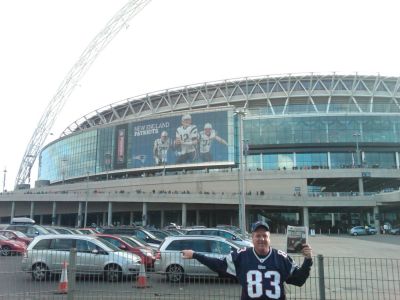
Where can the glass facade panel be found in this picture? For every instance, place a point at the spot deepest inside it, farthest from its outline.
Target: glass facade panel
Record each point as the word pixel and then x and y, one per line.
pixel 312 160
pixel 340 160
pixel 385 160
pixel 279 161
pixel 321 129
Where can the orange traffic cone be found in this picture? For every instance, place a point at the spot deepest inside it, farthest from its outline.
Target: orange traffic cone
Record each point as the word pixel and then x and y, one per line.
pixel 63 285
pixel 142 278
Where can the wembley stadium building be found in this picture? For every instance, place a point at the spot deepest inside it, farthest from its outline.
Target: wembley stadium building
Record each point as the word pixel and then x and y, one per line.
pixel 319 150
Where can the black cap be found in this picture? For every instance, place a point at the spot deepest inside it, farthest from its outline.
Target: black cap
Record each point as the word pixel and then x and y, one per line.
pixel 259 224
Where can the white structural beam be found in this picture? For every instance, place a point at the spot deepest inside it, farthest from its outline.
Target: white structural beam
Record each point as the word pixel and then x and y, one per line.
pixel 101 40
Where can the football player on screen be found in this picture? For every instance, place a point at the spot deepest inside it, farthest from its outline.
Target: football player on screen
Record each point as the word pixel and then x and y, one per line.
pixel 186 141
pixel 206 137
pixel 160 149
pixel 261 270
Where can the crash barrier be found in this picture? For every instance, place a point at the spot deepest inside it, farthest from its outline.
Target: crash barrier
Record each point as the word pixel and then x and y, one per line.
pixel 330 278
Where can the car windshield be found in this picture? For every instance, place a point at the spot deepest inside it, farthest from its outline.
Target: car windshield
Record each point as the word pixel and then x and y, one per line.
pixel 20 234
pixel 149 234
pixel 108 244
pixel 130 242
pixel 136 241
pixel 41 229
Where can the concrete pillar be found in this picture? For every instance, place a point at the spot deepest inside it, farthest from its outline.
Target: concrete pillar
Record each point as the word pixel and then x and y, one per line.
pixel 109 215
pixel 144 214
pixel 131 220
pixel 32 212
pixel 306 220
pixel 184 214
pixel 162 221
pixel 97 219
pixel 104 222
pixel 12 215
pixel 360 186
pixel 53 214
pixel 197 217
pixel 41 220
pixel 377 222
pixel 79 223
pixel 368 218
pixel 397 160
pixel 59 220
pixel 333 219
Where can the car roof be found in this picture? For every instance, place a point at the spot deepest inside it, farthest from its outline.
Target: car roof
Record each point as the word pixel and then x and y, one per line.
pixel 196 237
pixel 64 236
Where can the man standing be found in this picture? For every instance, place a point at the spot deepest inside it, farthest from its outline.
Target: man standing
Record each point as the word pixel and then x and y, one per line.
pixel 186 140
pixel 160 149
pixel 260 270
pixel 206 138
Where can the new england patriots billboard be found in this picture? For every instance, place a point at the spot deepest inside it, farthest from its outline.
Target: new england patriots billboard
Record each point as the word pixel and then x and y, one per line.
pixel 188 138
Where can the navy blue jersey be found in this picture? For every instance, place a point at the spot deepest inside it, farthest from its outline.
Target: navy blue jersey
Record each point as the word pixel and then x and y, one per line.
pixel 260 278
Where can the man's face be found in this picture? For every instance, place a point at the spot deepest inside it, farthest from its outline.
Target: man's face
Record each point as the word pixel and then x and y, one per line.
pixel 186 122
pixel 207 131
pixel 261 241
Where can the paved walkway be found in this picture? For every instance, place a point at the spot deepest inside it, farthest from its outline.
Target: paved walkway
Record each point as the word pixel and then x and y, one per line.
pixel 373 246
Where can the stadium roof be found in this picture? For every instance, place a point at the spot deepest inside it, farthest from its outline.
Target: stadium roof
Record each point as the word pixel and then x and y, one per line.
pixel 277 95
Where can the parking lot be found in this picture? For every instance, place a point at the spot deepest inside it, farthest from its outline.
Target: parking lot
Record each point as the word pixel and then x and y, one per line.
pixel 364 267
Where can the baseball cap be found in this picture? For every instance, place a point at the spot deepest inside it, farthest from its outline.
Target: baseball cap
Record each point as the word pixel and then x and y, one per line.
pixel 259 224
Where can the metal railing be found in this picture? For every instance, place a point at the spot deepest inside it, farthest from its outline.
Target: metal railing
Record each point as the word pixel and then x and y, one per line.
pixel 330 278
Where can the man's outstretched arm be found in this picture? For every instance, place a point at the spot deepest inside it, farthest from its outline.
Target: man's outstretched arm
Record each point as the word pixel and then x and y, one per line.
pixel 215 264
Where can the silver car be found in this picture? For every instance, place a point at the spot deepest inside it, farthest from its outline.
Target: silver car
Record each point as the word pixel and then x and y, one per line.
pixel 169 259
pixel 47 253
pixel 223 233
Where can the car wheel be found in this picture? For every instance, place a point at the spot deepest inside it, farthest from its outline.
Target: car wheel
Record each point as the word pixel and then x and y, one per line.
pixel 39 272
pixel 175 273
pixel 5 251
pixel 113 273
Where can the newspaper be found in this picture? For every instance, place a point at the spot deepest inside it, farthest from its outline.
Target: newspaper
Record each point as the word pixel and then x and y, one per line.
pixel 296 237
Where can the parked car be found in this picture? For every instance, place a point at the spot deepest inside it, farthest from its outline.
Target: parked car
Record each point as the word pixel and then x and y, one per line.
pixel 161 234
pixel 16 236
pixel 169 259
pixel 358 230
pixel 127 244
pixel 139 232
pixel 86 231
pixel 46 254
pixel 372 230
pixel 30 230
pixel 9 247
pixel 222 233
pixel 395 230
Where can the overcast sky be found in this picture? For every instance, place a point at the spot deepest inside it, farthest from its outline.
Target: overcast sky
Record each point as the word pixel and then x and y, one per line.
pixel 173 43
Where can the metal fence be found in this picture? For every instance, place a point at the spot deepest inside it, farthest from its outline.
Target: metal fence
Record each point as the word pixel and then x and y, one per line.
pixel 330 278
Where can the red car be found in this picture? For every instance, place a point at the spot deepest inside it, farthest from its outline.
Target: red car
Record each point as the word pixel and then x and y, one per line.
pixel 9 247
pixel 16 236
pixel 128 244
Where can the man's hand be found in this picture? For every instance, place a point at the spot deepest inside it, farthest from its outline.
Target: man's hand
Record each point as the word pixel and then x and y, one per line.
pixel 187 254
pixel 307 251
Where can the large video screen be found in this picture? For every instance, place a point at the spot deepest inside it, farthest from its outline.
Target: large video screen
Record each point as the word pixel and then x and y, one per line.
pixel 183 139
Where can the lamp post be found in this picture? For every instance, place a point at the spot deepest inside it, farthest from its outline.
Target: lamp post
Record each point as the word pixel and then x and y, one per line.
pixel 242 200
pixel 357 135
pixel 86 202
pixel 4 179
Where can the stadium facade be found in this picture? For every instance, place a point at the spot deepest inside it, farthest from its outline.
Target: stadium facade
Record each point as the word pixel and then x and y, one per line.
pixel 320 150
